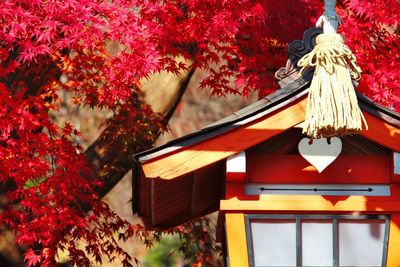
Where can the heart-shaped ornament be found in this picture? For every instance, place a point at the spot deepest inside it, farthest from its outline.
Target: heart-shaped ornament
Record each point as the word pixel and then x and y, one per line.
pixel 320 153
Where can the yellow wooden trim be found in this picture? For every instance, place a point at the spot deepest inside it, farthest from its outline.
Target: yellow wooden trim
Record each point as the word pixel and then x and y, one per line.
pixel 236 240
pixel 222 146
pixel 393 259
pixel 314 203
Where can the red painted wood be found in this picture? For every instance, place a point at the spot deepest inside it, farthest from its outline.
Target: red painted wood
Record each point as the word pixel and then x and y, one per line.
pixel 294 169
pixel 381 132
pixel 234 189
pixel 395 189
pixel 235 176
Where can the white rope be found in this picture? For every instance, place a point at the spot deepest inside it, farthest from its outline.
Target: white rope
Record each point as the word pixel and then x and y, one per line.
pixel 332 108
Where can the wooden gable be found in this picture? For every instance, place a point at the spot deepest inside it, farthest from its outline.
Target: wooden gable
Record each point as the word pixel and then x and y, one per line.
pixel 186 178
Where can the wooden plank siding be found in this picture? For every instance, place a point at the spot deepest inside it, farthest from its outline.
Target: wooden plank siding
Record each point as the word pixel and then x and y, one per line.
pixel 171 202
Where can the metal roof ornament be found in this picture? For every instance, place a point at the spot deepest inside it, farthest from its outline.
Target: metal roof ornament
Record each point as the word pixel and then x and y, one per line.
pixel 320 153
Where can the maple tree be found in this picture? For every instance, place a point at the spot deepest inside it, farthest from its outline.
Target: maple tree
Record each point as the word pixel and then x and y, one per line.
pixel 49 181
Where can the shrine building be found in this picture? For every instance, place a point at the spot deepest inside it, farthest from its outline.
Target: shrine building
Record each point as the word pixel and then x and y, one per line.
pixel 282 200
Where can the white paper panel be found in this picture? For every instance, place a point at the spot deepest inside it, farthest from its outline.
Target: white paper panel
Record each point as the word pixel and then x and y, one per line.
pixel 274 242
pixel 396 162
pixel 317 245
pixel 236 163
pixel 361 242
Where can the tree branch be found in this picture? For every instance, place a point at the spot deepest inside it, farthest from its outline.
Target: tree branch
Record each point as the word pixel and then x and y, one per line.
pixel 163 93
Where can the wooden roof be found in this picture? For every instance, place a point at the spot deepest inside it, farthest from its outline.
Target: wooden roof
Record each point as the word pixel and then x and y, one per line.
pixel 185 178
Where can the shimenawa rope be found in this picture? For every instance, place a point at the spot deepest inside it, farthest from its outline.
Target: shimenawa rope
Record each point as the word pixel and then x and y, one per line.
pixel 332 108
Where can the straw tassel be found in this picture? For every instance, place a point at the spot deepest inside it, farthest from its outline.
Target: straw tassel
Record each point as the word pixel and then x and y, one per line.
pixel 332 108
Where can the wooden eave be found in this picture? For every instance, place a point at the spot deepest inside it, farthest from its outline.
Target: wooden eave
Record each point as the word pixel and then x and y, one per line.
pixel 253 125
pixel 185 178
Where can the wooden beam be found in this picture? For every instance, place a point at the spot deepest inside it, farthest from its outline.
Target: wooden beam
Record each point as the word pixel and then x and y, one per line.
pixel 393 258
pixel 236 239
pixel 294 169
pixel 303 203
pixel 220 147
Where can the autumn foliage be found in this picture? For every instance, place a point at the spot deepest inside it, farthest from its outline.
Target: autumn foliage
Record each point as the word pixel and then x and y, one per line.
pixel 100 51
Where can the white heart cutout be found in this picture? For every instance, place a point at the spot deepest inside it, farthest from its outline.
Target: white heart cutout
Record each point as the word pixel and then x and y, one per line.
pixel 320 154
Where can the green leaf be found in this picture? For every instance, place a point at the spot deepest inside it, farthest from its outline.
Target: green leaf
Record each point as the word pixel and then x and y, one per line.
pixel 34 182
